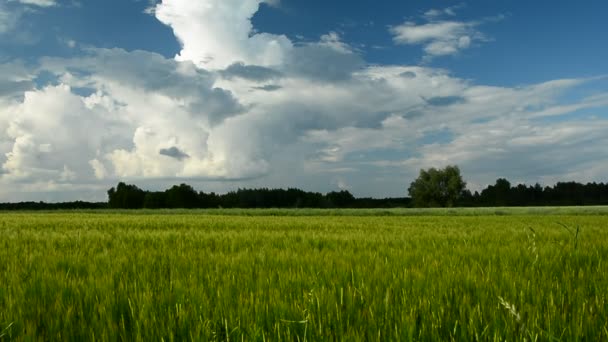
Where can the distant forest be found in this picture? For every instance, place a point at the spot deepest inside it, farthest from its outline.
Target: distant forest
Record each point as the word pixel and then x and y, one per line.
pixel 502 193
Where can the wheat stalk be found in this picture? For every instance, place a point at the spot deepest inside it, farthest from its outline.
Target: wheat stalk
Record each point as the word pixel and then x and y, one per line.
pixel 511 308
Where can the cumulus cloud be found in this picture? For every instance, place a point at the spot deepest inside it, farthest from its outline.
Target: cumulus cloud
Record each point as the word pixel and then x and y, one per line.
pixel 149 72
pixel 48 130
pixel 438 36
pixel 125 128
pixel 522 151
pixel 218 33
pixel 169 106
pixel 483 137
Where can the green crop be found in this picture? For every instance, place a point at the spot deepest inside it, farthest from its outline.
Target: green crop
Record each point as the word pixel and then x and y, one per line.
pixel 285 275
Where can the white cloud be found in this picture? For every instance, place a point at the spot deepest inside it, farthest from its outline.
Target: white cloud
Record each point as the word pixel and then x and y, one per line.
pixel 211 127
pixel 52 132
pixel 523 151
pixel 411 33
pixel 438 36
pixel 435 13
pixel 40 3
pixel 98 168
pixel 166 104
pixel 217 33
pixel 334 40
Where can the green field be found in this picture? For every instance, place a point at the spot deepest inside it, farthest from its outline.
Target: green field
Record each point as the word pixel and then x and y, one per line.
pixel 305 275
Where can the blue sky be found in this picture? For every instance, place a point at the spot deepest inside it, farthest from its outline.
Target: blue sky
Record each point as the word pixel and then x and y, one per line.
pixel 315 94
pixel 560 40
pixel 532 43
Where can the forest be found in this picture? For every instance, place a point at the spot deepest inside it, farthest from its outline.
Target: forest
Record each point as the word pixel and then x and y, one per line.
pixel 500 194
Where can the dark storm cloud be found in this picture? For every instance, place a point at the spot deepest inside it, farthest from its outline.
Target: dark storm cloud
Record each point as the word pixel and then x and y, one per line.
pixel 408 74
pixel 269 87
pixel 174 152
pixel 444 101
pixel 250 72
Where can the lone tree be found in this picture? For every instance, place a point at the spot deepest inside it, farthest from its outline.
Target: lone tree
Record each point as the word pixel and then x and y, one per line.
pixel 437 187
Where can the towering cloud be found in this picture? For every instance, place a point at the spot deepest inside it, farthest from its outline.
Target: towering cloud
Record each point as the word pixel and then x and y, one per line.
pixel 217 33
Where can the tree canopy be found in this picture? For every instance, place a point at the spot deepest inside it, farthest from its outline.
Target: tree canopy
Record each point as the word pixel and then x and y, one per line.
pixel 437 187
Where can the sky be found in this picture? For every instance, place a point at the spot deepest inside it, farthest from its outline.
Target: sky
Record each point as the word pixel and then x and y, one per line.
pixel 315 94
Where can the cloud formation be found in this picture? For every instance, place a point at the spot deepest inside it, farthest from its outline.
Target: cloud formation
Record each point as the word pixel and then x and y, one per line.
pixel 40 3
pixel 174 152
pixel 218 33
pixel 264 111
pixel 438 36
pixel 165 105
pixel 443 12
pixel 49 135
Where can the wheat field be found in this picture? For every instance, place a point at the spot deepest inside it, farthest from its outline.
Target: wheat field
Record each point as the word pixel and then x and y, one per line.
pixel 305 275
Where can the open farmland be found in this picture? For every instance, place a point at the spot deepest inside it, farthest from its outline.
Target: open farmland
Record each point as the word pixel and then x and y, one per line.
pixel 479 274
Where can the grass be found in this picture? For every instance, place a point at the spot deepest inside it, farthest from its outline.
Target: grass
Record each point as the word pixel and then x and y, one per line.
pixel 310 275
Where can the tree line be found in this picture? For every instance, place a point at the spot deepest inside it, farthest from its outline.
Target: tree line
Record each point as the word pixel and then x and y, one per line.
pixel 433 188
pixel 503 194
pixel 127 196
pixel 76 205
pixel 446 188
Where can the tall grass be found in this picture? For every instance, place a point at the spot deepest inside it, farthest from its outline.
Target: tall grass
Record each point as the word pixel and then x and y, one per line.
pixel 144 276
